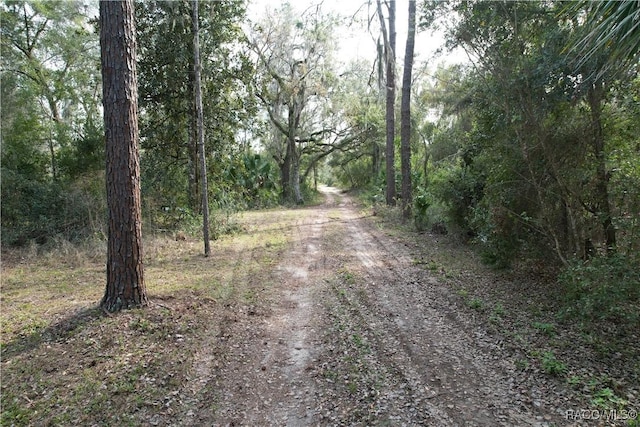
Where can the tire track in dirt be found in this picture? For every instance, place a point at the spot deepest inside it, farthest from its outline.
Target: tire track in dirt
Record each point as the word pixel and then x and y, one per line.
pixel 456 375
pixel 269 382
pixel 293 327
pixel 288 361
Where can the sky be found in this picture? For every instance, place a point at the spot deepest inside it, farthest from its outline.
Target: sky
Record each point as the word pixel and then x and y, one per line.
pixel 357 42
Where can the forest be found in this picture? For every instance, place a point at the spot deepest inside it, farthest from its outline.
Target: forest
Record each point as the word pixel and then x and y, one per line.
pixel 530 149
pixel 438 226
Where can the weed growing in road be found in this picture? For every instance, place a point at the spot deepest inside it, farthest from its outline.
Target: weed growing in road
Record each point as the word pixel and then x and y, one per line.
pixel 498 310
pixel 476 304
pixel 606 399
pixel 522 364
pixel 463 293
pixel 551 365
pixel 546 328
pixel 347 276
pixel 497 314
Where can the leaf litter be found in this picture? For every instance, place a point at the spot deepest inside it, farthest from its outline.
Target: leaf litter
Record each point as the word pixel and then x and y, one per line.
pixel 315 316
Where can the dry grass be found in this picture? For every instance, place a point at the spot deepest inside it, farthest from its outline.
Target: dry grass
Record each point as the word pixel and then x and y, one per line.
pixel 64 362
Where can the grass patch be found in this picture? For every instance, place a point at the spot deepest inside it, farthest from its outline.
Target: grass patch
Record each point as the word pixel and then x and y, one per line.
pixel 547 329
pixel 476 304
pixel 601 391
pixel 64 362
pixel 551 365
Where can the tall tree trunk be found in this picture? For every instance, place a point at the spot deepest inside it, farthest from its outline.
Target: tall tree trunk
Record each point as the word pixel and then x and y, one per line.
pixel 57 123
pixel 390 49
pixel 195 200
pixel 125 280
pixel 405 113
pixel 603 207
pixel 200 129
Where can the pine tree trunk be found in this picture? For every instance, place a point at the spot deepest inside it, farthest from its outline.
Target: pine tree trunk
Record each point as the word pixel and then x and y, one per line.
pixel 125 280
pixel 405 114
pixel 200 129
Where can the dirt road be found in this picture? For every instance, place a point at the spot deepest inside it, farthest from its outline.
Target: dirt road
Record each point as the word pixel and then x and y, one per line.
pixel 348 330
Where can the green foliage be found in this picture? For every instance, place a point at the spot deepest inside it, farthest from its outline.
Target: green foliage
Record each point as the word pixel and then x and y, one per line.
pixel 422 201
pixel 170 166
pixel 601 389
pixel 40 211
pixel 459 188
pixel 84 155
pixel 497 314
pixel 52 151
pixel 352 173
pixel 551 365
pixel 603 288
pixel 611 27
pixel 516 157
pixel 606 399
pixel 255 178
pixel 476 304
pixel 546 328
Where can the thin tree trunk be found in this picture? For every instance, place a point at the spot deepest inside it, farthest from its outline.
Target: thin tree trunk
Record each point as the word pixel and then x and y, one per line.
pixel 195 200
pixel 390 107
pixel 595 96
pixel 125 280
pixel 57 122
pixel 405 113
pixel 200 130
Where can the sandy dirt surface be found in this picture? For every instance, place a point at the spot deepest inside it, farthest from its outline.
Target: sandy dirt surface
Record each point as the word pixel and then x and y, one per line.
pixel 347 330
pixel 327 315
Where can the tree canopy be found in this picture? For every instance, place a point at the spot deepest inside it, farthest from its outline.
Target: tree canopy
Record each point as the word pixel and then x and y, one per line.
pixel 529 149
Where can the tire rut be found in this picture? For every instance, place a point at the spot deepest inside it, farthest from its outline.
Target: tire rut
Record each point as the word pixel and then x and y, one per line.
pixel 353 333
pixel 457 375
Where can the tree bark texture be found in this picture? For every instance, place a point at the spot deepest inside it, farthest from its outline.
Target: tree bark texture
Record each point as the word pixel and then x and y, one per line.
pixel 295 111
pixel 200 128
pixel 405 113
pixel 125 280
pixel 603 207
pixel 390 106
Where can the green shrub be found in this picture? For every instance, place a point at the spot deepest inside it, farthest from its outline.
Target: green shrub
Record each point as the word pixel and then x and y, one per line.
pixel 41 211
pixel 421 203
pixel 603 288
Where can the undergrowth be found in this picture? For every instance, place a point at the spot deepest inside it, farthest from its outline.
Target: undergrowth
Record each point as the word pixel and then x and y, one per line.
pixel 603 288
